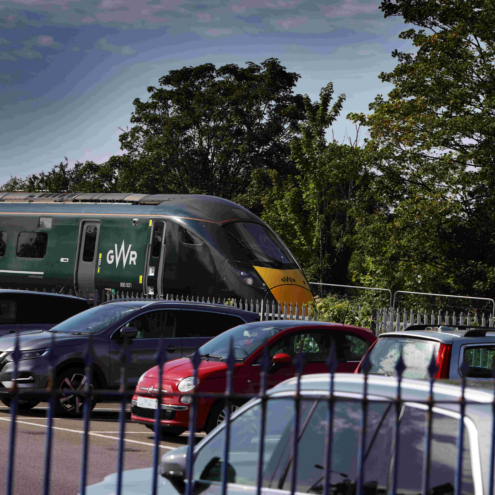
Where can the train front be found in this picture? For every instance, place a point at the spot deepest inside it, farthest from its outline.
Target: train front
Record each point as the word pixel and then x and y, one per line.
pixel 261 266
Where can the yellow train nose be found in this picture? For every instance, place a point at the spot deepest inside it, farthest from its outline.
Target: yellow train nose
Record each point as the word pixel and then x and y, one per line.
pixel 286 285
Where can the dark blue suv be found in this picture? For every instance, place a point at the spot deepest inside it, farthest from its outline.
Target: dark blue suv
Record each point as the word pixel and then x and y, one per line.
pixel 183 326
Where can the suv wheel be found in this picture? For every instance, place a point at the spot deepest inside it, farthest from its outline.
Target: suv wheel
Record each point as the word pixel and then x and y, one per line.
pixel 70 381
pixel 23 405
pixel 217 415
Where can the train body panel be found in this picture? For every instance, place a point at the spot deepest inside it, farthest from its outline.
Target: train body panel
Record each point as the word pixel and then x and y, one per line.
pixel 178 244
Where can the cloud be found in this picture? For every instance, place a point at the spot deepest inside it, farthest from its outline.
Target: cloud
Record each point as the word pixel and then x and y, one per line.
pixel 45 40
pixel 291 22
pixel 4 42
pixel 349 8
pixel 203 16
pixel 102 44
pixel 180 16
pixel 27 53
pixel 4 56
pixel 219 32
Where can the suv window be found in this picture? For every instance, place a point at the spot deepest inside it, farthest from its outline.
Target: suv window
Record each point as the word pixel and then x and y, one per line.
pixel 316 346
pixel 8 311
pixel 155 324
pixel 204 324
pixel 48 309
pixel 416 353
pixel 480 360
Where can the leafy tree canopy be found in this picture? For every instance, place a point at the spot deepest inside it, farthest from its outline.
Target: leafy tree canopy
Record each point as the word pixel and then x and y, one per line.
pixel 432 142
pixel 312 209
pixel 207 129
pixel 82 177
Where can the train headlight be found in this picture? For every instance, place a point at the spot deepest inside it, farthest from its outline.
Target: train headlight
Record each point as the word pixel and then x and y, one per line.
pixel 247 274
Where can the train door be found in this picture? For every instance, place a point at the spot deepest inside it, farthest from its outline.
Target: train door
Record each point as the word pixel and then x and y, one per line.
pixel 153 277
pixel 87 257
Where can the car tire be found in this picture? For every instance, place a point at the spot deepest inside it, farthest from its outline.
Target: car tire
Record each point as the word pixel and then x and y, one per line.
pixel 23 405
pixel 67 404
pixel 217 415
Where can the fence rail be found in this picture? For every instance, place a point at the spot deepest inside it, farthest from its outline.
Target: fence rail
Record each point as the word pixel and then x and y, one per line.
pixel 364 418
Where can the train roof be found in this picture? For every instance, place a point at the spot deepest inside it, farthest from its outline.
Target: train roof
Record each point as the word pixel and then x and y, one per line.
pixel 191 206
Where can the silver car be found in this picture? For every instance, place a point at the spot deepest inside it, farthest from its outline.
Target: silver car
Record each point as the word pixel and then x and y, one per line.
pixel 369 464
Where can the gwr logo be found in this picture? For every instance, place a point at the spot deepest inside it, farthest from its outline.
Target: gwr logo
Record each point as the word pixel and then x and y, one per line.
pixel 122 254
pixel 289 279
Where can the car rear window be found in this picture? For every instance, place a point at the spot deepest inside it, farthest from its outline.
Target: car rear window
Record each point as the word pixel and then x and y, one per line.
pixel 416 353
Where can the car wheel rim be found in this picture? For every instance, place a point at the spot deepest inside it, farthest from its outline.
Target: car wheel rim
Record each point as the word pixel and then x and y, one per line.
pixel 70 402
pixel 221 416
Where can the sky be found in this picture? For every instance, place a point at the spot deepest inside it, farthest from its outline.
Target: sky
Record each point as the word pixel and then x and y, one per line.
pixel 70 69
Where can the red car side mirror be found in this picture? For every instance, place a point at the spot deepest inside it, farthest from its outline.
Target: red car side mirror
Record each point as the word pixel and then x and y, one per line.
pixel 281 358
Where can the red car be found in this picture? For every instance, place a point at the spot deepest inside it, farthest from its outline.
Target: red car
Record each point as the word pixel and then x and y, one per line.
pixel 284 339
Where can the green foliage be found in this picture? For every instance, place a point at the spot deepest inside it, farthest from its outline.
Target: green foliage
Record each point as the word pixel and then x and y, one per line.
pixel 338 310
pixel 205 130
pixel 312 210
pixel 82 177
pixel 432 144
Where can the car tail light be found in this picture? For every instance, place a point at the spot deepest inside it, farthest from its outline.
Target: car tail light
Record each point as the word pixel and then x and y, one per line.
pixel 443 361
pixel 358 369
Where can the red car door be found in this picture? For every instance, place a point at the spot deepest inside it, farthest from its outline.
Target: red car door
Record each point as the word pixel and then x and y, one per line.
pixel 314 343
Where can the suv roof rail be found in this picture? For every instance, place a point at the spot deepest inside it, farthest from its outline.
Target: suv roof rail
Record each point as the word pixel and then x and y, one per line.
pixel 470 330
pixel 478 332
pixel 441 328
pixel 137 299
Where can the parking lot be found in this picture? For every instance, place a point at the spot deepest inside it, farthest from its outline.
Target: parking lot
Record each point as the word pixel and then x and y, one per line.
pixel 67 448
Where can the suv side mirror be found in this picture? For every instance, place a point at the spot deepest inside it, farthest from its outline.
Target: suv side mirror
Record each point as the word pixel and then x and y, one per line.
pixel 128 333
pixel 281 358
pixel 173 468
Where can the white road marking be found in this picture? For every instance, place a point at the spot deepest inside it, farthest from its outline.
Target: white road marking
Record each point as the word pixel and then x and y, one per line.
pixel 89 433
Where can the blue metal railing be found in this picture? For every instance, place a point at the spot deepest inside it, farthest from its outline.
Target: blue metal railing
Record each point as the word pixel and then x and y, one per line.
pixel 87 393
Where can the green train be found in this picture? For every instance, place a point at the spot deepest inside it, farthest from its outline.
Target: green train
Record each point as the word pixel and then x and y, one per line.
pixel 189 245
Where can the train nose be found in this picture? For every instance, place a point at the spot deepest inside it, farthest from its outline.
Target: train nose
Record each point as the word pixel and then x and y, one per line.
pixel 286 285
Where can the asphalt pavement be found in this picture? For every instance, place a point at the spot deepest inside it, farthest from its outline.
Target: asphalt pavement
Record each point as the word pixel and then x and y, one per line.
pixel 67 449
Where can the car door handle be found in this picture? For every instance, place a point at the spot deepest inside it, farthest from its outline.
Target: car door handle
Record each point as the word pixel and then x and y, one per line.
pixel 172 348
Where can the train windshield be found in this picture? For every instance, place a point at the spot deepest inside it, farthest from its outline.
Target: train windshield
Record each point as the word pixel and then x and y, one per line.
pixel 261 244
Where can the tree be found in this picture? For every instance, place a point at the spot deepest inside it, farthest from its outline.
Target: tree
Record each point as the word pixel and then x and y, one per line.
pixel 207 129
pixel 432 143
pixel 82 177
pixel 312 210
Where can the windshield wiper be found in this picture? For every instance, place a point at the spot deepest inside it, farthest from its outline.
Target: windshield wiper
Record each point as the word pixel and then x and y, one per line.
pixel 208 356
pixel 277 262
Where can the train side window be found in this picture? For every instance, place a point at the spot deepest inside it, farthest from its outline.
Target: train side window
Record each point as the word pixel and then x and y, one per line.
pixel 32 244
pixel 189 238
pixel 3 243
pixel 157 239
pixel 45 223
pixel 90 242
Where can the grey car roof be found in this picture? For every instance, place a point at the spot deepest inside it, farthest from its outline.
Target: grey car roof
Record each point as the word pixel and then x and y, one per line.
pixel 386 387
pixel 40 294
pixel 444 337
pixel 141 303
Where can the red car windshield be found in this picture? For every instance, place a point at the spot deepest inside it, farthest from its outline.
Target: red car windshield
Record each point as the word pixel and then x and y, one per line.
pixel 416 353
pixel 246 339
